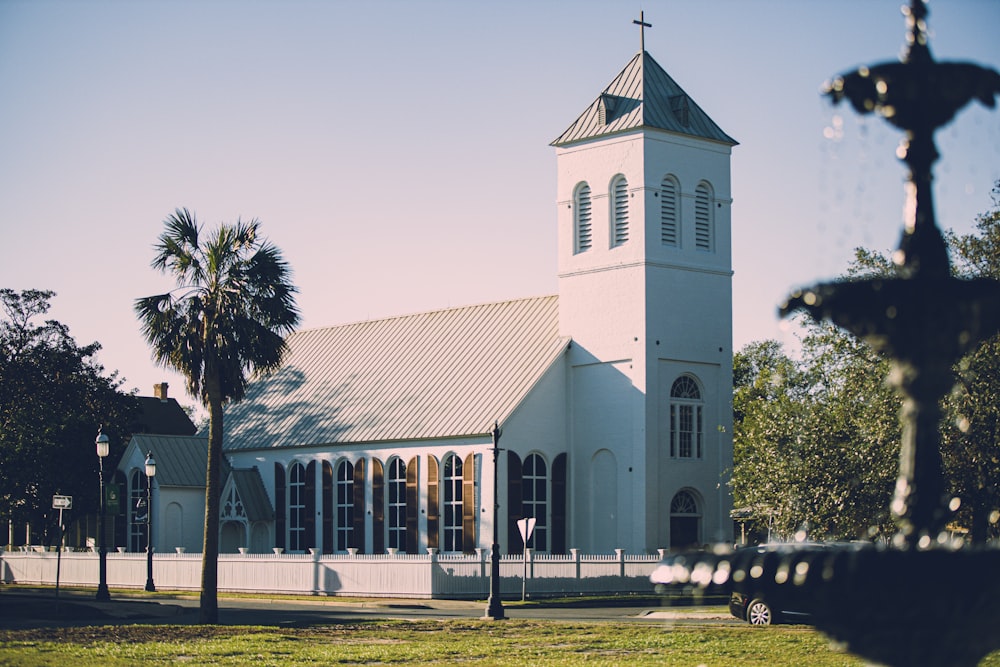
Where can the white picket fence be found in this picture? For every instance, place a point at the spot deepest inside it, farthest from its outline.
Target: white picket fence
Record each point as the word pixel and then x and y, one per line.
pixel 386 575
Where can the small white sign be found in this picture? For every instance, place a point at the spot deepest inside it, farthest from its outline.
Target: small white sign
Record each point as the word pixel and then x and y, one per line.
pixel 62 502
pixel 526 525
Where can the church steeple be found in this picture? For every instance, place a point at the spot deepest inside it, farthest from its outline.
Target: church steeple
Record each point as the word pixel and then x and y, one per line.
pixel 643 95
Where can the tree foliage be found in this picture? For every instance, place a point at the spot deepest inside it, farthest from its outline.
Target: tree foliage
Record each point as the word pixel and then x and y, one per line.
pixel 223 324
pixel 53 398
pixel 816 438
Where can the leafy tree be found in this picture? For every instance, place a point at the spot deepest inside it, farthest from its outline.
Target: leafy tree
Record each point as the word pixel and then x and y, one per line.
pixel 53 398
pixel 223 324
pixel 970 435
pixel 816 439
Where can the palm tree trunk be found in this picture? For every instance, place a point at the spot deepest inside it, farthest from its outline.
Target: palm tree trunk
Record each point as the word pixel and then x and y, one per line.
pixel 209 604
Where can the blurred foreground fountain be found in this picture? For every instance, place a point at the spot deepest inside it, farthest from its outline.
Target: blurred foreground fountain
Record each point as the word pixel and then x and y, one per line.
pixel 919 601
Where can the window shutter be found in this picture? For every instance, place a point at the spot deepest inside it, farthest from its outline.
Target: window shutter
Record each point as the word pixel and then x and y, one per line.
pixel 358 534
pixel 619 199
pixel 328 513
pixel 559 504
pixel 702 218
pixel 378 507
pixel 514 500
pixel 668 212
pixel 469 504
pixel 309 507
pixel 433 504
pixel 412 506
pixel 279 506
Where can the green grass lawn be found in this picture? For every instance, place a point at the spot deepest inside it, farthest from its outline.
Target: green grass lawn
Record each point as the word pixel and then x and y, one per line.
pixel 512 642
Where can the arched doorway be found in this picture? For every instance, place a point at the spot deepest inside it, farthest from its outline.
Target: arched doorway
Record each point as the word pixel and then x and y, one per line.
pixel 232 537
pixel 685 520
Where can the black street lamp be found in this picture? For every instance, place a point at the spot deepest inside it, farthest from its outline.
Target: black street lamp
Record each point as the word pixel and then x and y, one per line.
pixel 494 609
pixel 103 448
pixel 150 474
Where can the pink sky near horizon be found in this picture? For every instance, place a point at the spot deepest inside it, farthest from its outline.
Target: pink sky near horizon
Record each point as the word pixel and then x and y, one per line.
pixel 398 152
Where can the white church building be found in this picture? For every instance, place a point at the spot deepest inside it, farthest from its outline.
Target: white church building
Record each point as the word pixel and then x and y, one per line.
pixel 613 396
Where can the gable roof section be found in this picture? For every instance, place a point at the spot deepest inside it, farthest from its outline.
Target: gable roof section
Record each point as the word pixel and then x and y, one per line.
pixel 643 95
pixel 441 374
pixel 164 416
pixel 250 488
pixel 180 460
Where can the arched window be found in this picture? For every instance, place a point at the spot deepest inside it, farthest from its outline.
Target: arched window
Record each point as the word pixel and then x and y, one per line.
pixel 619 211
pixel 685 520
pixel 396 504
pixel 703 217
pixel 452 503
pixel 137 512
pixel 685 419
pixel 296 507
pixel 582 228
pixel 669 212
pixel 345 505
pixel 535 499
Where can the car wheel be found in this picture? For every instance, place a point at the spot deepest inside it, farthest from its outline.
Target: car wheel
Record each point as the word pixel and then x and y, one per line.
pixel 759 613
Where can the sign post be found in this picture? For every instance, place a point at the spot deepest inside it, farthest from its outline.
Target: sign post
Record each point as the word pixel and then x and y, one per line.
pixel 526 526
pixel 60 503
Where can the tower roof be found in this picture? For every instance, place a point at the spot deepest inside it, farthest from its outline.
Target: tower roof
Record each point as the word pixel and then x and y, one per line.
pixel 643 95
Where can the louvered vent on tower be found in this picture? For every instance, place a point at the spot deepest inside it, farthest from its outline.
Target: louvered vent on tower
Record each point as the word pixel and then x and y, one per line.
pixel 619 199
pixel 703 218
pixel 668 212
pixel 584 233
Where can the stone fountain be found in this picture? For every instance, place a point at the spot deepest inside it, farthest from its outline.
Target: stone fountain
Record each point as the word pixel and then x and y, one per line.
pixel 919 600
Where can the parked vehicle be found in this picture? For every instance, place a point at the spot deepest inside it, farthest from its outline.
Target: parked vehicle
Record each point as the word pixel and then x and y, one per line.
pixel 775 588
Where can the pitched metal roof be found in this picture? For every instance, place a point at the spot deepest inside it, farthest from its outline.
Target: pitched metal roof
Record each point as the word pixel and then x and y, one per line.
pixel 180 460
pixel 163 416
pixel 250 488
pixel 446 373
pixel 643 95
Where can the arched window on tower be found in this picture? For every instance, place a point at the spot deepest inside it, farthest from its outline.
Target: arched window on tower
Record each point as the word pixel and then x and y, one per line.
pixel 452 503
pixel 582 228
pixel 669 212
pixel 703 217
pixel 619 211
pixel 685 419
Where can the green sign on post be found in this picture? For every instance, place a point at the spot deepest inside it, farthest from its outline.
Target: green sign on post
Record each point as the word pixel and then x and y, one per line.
pixel 112 493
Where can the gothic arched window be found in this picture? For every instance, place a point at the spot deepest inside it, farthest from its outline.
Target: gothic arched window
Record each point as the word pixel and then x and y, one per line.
pixel 452 503
pixel 396 504
pixel 345 505
pixel 296 507
pixel 535 499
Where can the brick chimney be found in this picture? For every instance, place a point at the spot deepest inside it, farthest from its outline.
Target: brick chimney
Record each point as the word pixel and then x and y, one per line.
pixel 160 391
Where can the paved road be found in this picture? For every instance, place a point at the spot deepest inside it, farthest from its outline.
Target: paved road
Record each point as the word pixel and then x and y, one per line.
pixel 25 608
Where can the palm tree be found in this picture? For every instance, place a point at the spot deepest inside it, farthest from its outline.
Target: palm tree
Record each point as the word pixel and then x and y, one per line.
pixel 223 324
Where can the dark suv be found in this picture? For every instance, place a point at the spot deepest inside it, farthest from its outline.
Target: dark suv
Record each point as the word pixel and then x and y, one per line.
pixel 769 582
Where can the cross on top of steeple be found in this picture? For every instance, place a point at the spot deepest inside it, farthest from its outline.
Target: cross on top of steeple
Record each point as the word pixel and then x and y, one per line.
pixel 642 31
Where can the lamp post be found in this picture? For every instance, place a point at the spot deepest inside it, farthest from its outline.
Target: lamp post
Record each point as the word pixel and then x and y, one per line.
pixel 103 447
pixel 150 474
pixel 494 609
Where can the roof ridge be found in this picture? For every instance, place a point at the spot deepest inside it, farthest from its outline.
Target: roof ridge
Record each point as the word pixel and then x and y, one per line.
pixel 424 313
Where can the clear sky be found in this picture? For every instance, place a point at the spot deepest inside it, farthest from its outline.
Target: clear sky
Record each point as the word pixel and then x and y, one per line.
pixel 398 151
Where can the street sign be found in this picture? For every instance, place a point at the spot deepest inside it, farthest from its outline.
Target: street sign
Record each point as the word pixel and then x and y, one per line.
pixel 62 502
pixel 526 525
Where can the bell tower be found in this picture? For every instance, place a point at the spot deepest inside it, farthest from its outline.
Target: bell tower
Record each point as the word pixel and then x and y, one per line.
pixel 645 294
